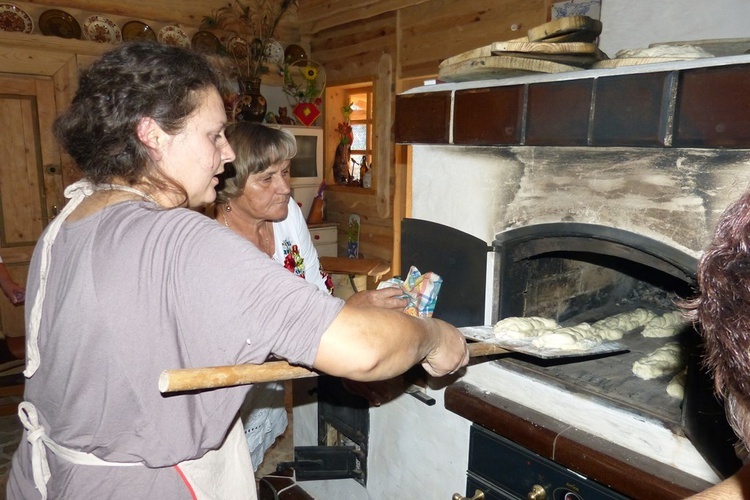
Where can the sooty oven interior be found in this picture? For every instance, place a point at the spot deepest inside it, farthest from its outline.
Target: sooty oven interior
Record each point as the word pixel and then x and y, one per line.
pixel 573 273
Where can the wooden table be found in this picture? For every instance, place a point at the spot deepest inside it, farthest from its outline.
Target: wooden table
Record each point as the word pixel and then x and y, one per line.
pixel 375 268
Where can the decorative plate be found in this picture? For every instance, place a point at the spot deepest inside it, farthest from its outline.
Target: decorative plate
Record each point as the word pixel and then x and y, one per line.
pixel 13 18
pixel 294 54
pixel 102 30
pixel 55 22
pixel 206 42
pixel 138 31
pixel 274 52
pixel 173 35
pixel 238 47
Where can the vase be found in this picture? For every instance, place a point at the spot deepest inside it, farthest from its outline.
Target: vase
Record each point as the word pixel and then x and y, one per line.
pixel 341 173
pixel 251 106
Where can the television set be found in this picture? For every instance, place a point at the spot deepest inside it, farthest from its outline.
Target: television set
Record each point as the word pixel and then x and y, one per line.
pixel 307 166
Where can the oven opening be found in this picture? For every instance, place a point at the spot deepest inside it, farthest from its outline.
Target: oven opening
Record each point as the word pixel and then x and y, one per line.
pixel 344 425
pixel 574 287
pixel 577 273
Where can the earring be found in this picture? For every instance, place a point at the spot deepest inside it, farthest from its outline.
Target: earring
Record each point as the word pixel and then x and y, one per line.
pixel 227 208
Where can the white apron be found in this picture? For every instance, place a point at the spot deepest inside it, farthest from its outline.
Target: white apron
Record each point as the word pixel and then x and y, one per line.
pixel 222 474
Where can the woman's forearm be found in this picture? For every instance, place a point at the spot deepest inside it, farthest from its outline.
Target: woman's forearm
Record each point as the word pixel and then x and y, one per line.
pixel 376 344
pixel 734 487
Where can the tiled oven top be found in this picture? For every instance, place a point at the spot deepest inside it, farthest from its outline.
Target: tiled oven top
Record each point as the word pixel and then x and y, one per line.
pixel 702 104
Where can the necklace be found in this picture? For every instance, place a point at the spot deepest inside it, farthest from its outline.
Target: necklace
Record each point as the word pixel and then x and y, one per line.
pixel 266 243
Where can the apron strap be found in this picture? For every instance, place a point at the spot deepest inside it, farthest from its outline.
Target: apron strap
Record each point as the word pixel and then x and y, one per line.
pixel 76 192
pixel 34 434
pixel 40 441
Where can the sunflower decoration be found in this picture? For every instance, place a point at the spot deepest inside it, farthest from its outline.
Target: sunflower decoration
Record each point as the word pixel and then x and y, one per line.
pixel 310 73
pixel 304 82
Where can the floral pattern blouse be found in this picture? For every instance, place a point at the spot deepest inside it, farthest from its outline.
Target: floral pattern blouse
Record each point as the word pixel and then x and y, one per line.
pixel 295 251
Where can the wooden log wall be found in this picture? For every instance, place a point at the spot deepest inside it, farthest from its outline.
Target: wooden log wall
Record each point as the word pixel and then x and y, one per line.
pixel 349 38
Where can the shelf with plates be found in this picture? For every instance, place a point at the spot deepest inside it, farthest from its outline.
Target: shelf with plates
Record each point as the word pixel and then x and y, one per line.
pixel 106 28
pixel 65 30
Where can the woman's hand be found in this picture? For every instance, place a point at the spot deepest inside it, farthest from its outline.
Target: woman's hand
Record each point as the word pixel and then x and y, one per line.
pixel 386 298
pixel 16 293
pixel 451 352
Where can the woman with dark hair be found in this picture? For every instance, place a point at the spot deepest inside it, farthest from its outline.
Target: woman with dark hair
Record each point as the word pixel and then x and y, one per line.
pixel 128 281
pixel 722 310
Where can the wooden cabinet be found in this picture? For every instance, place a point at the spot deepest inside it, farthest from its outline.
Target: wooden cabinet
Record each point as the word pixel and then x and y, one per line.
pixel 324 238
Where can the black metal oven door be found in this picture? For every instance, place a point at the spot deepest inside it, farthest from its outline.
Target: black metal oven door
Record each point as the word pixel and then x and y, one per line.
pixel 457 257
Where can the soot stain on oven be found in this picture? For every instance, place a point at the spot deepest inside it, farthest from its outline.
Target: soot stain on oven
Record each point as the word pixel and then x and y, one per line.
pixel 647 192
pixel 670 196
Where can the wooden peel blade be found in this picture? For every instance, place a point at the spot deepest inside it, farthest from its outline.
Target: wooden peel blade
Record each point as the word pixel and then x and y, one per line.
pixel 498 48
pixel 493 67
pixel 194 379
pixel 567 29
pixel 485 51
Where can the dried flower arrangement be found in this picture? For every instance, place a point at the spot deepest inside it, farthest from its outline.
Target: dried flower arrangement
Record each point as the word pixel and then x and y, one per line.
pixel 250 26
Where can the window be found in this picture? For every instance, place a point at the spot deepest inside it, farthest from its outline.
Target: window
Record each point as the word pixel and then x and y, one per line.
pixel 359 97
pixel 361 122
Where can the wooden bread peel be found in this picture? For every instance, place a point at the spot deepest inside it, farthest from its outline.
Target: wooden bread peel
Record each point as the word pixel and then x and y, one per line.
pixel 192 379
pixel 562 45
pixel 567 29
pixel 576 53
pixel 481 341
pixel 484 68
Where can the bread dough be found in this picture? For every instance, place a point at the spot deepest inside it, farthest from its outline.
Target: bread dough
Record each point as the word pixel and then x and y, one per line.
pixel 544 333
pixel 616 326
pixel 676 386
pixel 581 336
pixel 523 328
pixel 667 325
pixel 665 360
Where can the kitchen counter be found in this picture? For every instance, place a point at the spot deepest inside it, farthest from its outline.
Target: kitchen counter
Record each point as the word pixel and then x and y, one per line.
pixel 624 470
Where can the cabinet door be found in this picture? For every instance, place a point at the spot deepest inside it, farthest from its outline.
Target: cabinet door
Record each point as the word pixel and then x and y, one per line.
pixel 30 177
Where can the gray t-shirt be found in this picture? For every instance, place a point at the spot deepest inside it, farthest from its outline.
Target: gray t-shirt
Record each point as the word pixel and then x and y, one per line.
pixel 132 291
